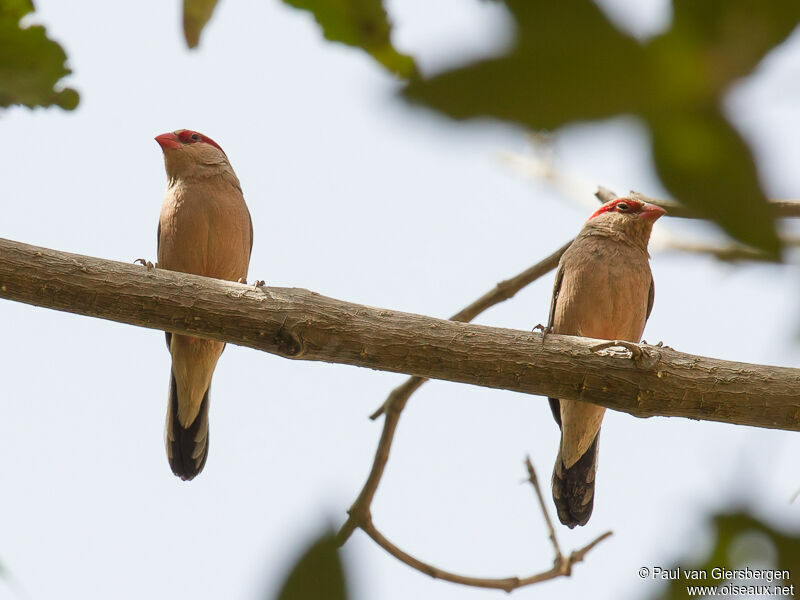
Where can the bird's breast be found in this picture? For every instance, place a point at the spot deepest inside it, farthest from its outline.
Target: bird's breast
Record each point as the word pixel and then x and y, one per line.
pixel 204 228
pixel 604 296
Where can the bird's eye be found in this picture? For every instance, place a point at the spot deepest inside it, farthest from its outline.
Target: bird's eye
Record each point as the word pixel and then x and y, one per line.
pixel 622 207
pixel 195 137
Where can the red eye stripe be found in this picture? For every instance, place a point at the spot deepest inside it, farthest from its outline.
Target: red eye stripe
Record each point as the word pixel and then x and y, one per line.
pixel 635 206
pixel 185 136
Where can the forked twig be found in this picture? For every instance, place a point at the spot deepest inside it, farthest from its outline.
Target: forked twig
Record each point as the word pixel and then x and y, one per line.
pixel 562 565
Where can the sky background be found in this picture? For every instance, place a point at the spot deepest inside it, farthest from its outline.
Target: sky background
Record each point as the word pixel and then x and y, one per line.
pixel 360 197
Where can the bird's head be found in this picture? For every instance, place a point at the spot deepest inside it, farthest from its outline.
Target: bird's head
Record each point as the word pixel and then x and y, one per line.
pixel 191 154
pixel 626 218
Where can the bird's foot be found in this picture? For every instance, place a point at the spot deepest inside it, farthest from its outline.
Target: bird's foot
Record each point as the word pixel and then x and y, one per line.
pixel 544 329
pixel 259 282
pixel 145 263
pixel 642 355
pixel 634 349
pixel 660 344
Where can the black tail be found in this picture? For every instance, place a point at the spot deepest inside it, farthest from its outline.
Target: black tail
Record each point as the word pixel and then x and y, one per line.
pixel 187 448
pixel 573 488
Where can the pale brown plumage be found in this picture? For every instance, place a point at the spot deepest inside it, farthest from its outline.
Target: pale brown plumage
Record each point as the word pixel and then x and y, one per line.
pixel 205 229
pixel 603 289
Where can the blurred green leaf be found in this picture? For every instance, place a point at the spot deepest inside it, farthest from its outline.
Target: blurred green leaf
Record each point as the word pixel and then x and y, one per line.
pixel 570 64
pixel 360 23
pixel 727 530
pixel 705 163
pixel 196 13
pixel 318 574
pixel 15 9
pixel 31 64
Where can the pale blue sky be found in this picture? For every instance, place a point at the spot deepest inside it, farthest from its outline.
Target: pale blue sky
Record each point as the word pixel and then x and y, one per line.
pixel 356 196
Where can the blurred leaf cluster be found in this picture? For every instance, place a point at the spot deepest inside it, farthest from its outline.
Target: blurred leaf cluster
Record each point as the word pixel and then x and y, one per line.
pixel 31 64
pixel 741 540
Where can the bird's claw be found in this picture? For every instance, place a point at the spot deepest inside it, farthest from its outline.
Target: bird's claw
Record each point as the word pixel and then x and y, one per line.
pixel 544 329
pixel 144 263
pixel 259 282
pixel 634 349
pixel 642 357
pixel 660 344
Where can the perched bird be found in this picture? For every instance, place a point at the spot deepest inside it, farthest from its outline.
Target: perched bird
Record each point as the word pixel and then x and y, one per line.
pixel 603 289
pixel 205 229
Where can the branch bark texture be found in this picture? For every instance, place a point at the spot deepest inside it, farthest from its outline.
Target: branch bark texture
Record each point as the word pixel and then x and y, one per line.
pixel 299 324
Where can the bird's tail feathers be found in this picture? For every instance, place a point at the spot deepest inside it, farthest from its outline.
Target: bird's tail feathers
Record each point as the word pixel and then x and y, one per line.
pixel 573 487
pixel 187 447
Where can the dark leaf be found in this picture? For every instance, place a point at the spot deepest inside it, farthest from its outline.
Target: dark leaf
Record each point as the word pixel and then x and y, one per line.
pixel 318 574
pixel 704 162
pixel 196 13
pixel 730 37
pixel 728 529
pixel 360 23
pixel 15 9
pixel 31 64
pixel 569 64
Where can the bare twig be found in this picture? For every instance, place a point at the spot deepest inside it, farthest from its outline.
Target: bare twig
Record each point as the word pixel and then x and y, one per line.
pixel 780 208
pixel 359 514
pixel 729 253
pixel 604 194
pixel 550 529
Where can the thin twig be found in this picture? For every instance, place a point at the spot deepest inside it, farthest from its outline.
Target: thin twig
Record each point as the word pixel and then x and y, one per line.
pixel 604 194
pixel 780 208
pixel 359 514
pixel 550 529
pixel 729 253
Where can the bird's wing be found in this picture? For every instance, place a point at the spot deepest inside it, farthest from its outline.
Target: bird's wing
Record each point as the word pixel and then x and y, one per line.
pixel 158 246
pixel 250 219
pixel 651 296
pixel 556 291
pixel 555 406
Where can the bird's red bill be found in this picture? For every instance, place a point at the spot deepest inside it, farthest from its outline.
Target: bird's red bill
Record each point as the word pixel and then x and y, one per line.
pixel 168 140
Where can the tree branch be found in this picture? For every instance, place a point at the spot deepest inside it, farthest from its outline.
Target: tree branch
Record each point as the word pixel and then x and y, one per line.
pixel 299 324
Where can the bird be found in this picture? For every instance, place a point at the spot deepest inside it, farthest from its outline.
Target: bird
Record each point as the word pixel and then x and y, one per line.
pixel 204 228
pixel 603 289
